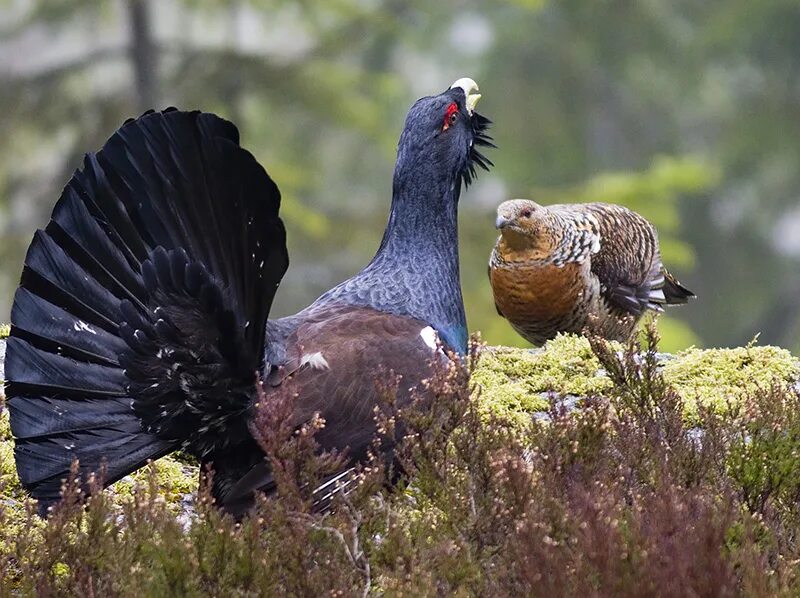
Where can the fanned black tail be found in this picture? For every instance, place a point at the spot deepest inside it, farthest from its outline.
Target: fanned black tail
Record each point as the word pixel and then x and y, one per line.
pixel 162 257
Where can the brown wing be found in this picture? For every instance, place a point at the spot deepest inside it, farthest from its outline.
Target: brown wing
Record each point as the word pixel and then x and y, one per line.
pixel 335 362
pixel 358 345
pixel 628 264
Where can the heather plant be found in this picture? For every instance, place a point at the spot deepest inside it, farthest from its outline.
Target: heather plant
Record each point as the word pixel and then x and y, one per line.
pixel 618 493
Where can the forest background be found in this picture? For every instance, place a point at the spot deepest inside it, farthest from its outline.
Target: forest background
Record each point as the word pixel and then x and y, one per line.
pixel 687 111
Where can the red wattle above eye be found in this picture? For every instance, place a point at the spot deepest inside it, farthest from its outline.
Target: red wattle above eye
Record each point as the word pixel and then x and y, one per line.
pixel 451 110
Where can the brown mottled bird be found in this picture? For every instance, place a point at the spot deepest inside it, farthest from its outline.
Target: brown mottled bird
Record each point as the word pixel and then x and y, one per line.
pixel 566 268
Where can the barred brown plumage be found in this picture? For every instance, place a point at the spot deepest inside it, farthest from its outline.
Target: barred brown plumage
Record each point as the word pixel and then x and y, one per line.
pixel 577 267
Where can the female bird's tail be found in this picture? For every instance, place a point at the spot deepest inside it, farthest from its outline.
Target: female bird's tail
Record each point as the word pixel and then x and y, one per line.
pixel 139 322
pixel 674 292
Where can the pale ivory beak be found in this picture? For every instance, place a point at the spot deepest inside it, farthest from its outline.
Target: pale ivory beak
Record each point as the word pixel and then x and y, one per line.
pixel 470 92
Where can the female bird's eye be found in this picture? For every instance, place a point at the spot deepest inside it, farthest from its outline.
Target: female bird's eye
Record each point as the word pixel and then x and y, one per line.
pixel 526 214
pixel 451 116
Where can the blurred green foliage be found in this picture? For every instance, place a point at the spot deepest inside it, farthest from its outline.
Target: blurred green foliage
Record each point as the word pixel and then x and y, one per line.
pixel 683 111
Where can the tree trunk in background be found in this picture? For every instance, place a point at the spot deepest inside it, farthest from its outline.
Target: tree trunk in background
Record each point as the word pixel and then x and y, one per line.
pixel 143 55
pixel 233 84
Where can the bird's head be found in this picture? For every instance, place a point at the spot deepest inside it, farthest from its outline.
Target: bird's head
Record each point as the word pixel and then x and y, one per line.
pixel 444 132
pixel 524 223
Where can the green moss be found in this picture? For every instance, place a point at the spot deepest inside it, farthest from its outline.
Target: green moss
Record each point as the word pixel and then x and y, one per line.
pixel 8 474
pixel 512 380
pixel 5 426
pixel 716 377
pixel 174 480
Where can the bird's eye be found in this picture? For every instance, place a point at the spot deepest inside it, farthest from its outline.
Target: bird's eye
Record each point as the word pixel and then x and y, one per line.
pixel 451 116
pixel 526 214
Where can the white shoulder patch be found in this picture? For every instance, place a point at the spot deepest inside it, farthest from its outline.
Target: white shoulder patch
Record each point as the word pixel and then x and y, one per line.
pixel 430 337
pixel 315 360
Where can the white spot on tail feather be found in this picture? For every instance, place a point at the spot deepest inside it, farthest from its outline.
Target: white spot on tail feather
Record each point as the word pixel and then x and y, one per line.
pixel 430 337
pixel 81 326
pixel 315 360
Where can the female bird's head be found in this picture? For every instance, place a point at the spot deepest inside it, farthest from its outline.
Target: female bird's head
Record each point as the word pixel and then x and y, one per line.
pixel 441 138
pixel 525 224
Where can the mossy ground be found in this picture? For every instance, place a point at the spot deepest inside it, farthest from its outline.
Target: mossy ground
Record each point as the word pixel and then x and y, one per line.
pixel 517 382
pixel 514 384
pixel 617 497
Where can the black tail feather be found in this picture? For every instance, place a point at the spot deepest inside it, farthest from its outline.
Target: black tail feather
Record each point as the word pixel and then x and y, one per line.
pixel 54 329
pixel 171 186
pixel 53 431
pixel 28 367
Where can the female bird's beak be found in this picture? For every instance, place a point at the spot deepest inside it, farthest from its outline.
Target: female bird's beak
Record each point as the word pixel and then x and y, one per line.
pixel 502 222
pixel 470 92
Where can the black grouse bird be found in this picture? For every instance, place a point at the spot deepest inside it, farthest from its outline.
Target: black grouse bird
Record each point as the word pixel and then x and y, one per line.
pixel 140 324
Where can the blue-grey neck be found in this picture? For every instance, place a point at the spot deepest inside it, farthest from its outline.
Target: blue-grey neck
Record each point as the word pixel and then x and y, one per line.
pixel 415 271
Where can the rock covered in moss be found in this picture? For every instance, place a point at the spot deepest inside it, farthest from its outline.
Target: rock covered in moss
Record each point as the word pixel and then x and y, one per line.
pixel 517 383
pixel 715 377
